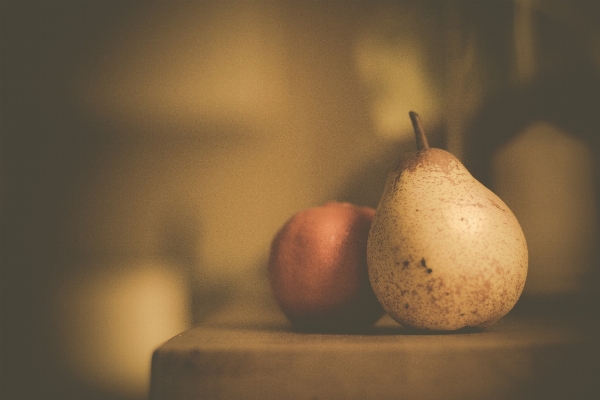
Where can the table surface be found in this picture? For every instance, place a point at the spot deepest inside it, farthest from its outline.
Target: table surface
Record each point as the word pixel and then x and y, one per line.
pixel 249 351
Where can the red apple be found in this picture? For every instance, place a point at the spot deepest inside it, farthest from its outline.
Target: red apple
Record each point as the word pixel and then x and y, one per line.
pixel 318 268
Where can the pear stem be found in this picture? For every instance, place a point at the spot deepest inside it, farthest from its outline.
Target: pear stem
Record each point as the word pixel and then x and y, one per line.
pixel 422 143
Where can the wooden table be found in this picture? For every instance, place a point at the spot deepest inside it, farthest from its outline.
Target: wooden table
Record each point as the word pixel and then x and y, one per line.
pixel 250 352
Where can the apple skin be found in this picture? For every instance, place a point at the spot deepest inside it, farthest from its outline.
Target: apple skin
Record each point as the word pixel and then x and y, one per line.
pixel 318 269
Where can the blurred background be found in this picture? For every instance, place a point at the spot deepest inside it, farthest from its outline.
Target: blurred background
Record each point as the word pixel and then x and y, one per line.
pixel 150 151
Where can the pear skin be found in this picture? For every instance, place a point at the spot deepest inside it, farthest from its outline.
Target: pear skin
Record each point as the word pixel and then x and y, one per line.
pixel 444 252
pixel 318 269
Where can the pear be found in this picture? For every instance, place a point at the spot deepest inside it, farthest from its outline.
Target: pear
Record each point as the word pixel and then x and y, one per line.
pixel 444 252
pixel 318 268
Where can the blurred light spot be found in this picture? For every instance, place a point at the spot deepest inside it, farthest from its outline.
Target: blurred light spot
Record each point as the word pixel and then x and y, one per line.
pixel 115 316
pixel 545 176
pixel 398 81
